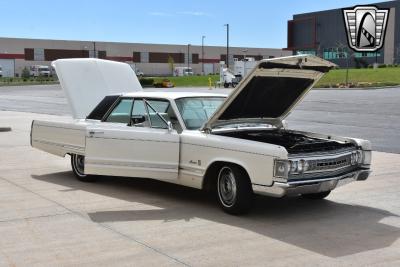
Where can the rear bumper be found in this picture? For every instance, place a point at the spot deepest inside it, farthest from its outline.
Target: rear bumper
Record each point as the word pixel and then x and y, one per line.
pixel 292 188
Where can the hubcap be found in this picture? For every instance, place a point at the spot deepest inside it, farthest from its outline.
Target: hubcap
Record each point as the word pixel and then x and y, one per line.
pixel 79 161
pixel 227 186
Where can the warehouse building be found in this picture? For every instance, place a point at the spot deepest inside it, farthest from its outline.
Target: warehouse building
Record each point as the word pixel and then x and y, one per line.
pixel 324 34
pixel 151 59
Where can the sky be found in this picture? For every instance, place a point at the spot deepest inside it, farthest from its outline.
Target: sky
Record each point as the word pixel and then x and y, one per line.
pixel 253 23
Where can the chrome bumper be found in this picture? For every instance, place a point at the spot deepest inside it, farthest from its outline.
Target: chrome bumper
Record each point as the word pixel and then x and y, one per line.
pixel 292 188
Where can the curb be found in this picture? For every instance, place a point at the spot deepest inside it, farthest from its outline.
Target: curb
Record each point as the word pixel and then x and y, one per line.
pixel 5 129
pixel 358 88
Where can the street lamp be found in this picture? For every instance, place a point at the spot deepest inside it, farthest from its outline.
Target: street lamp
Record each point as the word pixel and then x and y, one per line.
pixel 202 53
pixel 94 50
pixel 227 45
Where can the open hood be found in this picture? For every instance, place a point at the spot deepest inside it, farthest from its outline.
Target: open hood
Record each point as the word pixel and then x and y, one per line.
pixel 87 81
pixel 270 91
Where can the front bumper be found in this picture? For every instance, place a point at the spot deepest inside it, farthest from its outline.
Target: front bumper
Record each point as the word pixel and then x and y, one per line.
pixel 298 187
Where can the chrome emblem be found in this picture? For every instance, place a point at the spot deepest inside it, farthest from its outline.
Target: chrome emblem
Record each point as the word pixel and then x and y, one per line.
pixel 366 27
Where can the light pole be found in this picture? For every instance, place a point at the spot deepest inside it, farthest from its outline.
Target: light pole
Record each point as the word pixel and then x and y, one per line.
pixel 244 61
pixel 188 56
pixel 202 54
pixel 227 45
pixel 94 50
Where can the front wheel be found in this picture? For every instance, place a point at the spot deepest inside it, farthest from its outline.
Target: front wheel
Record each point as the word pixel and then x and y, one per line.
pixel 320 195
pixel 234 191
pixel 78 168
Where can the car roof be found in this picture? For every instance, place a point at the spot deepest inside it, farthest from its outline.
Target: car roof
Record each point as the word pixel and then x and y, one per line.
pixel 172 95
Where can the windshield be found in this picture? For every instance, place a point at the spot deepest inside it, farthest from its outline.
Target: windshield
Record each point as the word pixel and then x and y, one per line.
pixel 195 111
pixel 43 69
pixel 188 70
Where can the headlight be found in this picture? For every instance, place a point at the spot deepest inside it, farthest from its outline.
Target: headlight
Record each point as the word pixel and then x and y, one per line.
pixel 281 168
pixel 359 156
pixel 356 157
pixel 298 166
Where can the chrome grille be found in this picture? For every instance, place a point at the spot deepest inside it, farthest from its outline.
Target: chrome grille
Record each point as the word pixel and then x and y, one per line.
pixel 329 164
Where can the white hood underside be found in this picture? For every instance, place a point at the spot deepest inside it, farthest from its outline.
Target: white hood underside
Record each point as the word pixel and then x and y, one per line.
pixel 87 81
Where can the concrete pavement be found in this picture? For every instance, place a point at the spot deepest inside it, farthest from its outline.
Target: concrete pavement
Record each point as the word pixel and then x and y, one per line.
pixel 48 218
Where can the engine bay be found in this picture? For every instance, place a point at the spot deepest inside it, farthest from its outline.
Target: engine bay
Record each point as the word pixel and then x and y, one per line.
pixel 295 143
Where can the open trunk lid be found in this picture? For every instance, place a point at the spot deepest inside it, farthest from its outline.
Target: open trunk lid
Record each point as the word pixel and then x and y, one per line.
pixel 270 91
pixel 87 81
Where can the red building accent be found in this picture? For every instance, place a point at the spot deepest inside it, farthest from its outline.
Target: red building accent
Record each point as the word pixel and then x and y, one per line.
pixel 12 56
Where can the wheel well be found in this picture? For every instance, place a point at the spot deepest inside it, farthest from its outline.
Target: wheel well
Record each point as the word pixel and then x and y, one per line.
pixel 210 177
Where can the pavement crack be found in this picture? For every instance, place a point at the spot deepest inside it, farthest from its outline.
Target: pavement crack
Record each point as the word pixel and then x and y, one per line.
pixel 34 217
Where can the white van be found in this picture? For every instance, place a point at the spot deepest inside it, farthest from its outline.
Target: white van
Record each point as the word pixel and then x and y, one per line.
pixel 183 71
pixel 39 70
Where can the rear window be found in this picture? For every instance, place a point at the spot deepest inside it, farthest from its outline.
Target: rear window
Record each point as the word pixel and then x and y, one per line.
pixel 101 109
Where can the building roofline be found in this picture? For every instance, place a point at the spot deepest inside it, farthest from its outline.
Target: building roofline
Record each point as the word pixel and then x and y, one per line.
pixel 131 43
pixel 334 9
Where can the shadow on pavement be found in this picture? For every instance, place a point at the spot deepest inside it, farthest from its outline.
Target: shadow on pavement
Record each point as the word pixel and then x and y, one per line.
pixel 324 227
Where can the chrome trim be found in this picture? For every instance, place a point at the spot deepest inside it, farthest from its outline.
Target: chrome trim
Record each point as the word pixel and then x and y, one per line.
pixel 66 146
pixel 280 189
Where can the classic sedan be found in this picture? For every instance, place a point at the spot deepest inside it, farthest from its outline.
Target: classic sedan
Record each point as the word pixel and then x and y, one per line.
pixel 234 146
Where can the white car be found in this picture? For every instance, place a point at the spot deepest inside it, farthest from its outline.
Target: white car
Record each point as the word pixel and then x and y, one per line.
pixel 235 146
pixel 1 72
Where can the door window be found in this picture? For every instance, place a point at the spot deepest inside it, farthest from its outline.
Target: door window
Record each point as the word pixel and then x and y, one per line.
pixel 139 117
pixel 160 107
pixel 121 112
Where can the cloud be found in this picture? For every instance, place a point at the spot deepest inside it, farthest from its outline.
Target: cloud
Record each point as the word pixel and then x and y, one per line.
pixel 194 13
pixel 160 14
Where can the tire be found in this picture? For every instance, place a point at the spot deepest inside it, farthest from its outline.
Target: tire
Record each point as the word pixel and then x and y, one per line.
pixel 320 195
pixel 226 85
pixel 234 192
pixel 78 168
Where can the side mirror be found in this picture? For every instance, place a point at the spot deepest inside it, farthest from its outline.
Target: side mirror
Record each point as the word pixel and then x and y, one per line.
pixel 170 127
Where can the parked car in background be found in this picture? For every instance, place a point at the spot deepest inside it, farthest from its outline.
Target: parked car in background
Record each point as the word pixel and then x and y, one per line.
pixel 165 83
pixel 39 70
pixel 235 146
pixel 183 71
pixel 1 71
pixel 139 73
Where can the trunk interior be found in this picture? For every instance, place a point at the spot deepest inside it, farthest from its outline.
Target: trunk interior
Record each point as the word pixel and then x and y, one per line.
pixel 294 143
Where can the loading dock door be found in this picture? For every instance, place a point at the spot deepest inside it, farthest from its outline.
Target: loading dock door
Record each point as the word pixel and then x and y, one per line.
pixel 7 66
pixel 208 68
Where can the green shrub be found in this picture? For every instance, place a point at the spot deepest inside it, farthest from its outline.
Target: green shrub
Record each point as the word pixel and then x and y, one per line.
pixel 25 73
pixel 382 66
pixel 146 81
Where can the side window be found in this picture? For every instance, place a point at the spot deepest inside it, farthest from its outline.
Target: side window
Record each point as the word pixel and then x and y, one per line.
pixel 121 112
pixel 139 117
pixel 161 107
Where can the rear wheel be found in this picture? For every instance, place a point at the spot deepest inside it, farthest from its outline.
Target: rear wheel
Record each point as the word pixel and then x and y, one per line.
pixel 320 195
pixel 234 191
pixel 78 168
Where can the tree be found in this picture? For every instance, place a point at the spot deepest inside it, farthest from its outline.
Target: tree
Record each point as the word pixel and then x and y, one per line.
pixel 25 74
pixel 171 63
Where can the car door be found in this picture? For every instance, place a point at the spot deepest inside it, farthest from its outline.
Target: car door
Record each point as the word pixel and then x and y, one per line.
pixel 133 142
